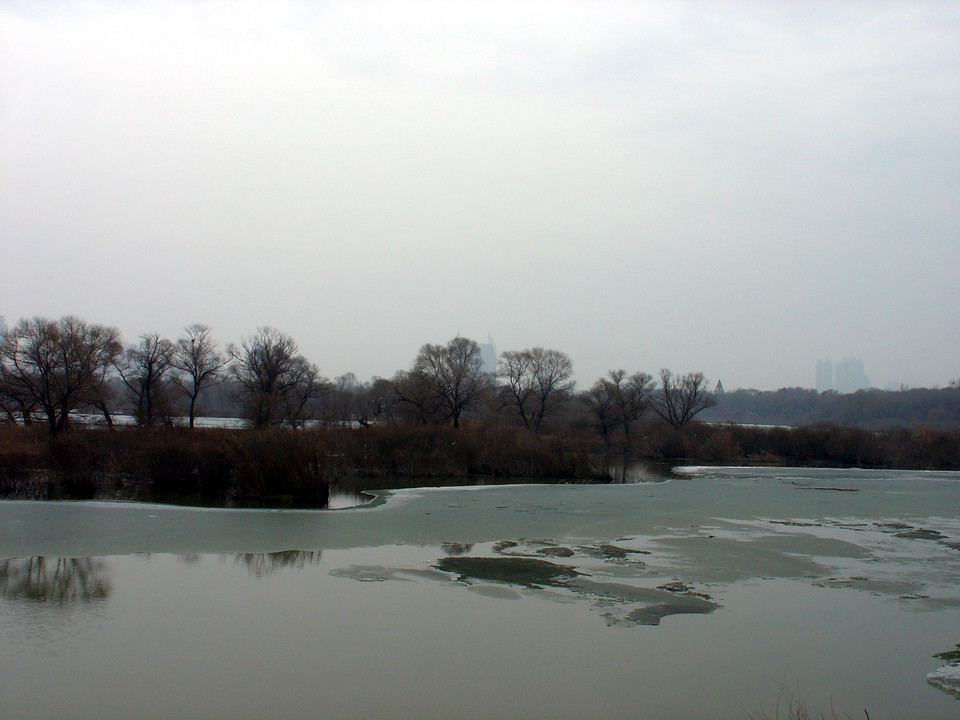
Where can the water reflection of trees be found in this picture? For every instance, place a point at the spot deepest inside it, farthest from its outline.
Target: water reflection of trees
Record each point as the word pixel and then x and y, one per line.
pixel 453 548
pixel 60 581
pixel 265 563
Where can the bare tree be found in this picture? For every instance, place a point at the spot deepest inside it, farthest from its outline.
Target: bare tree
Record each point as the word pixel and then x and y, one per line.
pixel 57 365
pixel 343 399
pixel 145 370
pixel 535 383
pixel 199 363
pixel 631 398
pixel 16 402
pixel 619 401
pixel 416 394
pixel 515 390
pixel 680 398
pixel 275 382
pixel 107 393
pixel 349 401
pixel 15 405
pixel 599 399
pixel 306 385
pixel 377 401
pixel 446 381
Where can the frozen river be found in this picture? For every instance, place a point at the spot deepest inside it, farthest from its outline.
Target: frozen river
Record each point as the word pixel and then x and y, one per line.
pixel 712 595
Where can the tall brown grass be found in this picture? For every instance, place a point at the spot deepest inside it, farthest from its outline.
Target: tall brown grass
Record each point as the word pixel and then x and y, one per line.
pixel 298 467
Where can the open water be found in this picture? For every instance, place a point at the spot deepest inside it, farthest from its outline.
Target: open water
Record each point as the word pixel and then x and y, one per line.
pixel 720 593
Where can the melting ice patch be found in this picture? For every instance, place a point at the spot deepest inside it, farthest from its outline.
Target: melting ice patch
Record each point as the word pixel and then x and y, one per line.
pixel 513 569
pixel 947 679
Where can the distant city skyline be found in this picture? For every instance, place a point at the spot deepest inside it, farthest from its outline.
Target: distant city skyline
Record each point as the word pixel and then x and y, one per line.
pixel 847 376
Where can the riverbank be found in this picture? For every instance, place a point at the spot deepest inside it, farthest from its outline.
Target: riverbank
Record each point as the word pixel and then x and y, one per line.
pixel 300 467
pixel 273 467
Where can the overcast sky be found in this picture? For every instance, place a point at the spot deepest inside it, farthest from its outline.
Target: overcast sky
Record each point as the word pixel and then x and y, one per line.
pixel 738 188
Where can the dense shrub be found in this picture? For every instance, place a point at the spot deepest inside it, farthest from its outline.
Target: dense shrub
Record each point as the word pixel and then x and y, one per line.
pixel 408 450
pixel 281 462
pixel 297 467
pixel 81 463
pixel 24 455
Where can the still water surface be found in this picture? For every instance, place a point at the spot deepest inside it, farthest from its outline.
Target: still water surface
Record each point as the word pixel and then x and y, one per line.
pixel 708 596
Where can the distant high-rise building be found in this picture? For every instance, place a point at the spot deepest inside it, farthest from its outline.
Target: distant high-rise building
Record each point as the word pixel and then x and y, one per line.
pixel 488 356
pixel 824 375
pixel 850 376
pixel 846 377
pixel 3 324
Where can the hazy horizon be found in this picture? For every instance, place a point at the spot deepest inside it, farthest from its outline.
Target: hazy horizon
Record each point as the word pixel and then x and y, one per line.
pixel 738 188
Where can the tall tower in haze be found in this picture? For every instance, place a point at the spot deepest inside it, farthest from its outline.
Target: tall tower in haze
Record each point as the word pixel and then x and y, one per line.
pixel 850 376
pixel 488 356
pixel 847 377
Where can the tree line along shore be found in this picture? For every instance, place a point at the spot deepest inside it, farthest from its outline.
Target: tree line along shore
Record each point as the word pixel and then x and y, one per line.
pixel 446 416
pixel 53 369
pixel 50 369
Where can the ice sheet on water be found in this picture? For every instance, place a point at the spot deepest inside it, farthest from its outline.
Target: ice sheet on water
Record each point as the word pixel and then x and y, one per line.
pixel 946 678
pixel 718 525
